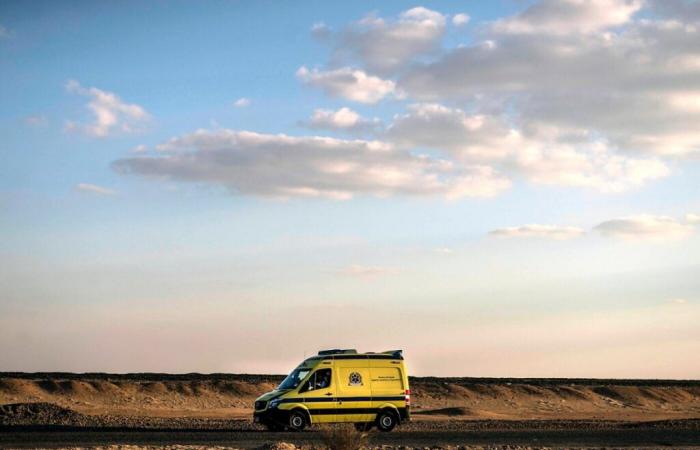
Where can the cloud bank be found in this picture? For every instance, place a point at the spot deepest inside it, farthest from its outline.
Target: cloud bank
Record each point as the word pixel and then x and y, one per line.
pixel 586 66
pixel 564 17
pixel 645 227
pixel 539 231
pixel 641 227
pixel 552 156
pixel 601 95
pixel 309 166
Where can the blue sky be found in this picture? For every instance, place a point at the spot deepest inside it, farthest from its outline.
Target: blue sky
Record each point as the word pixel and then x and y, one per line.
pixel 252 181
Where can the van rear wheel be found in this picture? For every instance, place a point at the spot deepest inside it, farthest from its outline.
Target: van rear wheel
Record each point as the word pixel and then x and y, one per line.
pixel 297 421
pixel 386 420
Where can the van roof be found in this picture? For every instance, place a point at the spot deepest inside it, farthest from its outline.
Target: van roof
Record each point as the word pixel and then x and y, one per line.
pixel 353 354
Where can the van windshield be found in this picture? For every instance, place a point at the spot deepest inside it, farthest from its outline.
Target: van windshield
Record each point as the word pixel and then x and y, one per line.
pixel 294 378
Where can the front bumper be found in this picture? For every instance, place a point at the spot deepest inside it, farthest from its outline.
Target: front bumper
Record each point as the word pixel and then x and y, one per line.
pixel 271 416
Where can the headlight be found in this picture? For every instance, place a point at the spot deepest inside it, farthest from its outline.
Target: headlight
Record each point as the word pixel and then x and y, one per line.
pixel 274 403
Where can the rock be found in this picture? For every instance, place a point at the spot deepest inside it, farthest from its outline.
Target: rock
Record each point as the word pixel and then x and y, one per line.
pixel 278 446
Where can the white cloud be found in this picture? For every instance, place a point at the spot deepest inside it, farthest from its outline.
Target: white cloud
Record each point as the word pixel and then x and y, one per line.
pixel 634 86
pixel 242 102
pixel 344 119
pixel 677 301
pixel 569 16
pixel 693 219
pixel 37 120
pixel 360 271
pixel 141 148
pixel 94 189
pixel 383 46
pixel 320 30
pixel 632 228
pixel 110 114
pixel 600 107
pixel 555 232
pixel 645 227
pixel 460 19
pixel 547 158
pixel 284 166
pixel 348 83
pixel 631 75
pixel 468 136
pixel 543 155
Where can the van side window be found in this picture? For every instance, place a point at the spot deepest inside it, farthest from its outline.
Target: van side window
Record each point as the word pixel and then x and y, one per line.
pixel 320 379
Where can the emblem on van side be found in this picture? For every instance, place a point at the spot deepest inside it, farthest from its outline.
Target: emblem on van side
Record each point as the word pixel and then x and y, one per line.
pixel 355 379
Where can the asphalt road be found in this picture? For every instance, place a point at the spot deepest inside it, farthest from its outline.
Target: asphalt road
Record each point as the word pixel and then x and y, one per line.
pixel 19 437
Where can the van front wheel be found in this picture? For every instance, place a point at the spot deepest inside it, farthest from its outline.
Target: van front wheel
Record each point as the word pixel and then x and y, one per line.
pixel 386 420
pixel 297 421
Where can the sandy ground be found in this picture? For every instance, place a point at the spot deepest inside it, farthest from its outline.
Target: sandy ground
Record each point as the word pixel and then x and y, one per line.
pixel 437 399
pixel 524 439
pixel 214 411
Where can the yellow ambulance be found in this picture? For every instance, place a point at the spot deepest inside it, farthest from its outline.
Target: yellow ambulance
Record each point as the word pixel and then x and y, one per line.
pixel 365 389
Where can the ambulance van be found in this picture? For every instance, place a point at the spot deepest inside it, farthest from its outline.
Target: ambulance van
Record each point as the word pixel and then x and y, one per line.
pixel 336 386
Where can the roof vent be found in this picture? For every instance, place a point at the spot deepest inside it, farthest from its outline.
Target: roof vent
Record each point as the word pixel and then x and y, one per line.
pixel 337 351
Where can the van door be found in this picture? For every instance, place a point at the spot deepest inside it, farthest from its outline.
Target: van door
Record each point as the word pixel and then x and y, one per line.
pixel 387 384
pixel 319 396
pixel 354 394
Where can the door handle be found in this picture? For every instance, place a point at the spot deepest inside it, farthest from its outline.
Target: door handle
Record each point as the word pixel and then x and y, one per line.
pixel 329 393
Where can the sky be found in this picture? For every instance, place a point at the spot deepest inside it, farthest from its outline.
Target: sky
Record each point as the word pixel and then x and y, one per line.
pixel 504 188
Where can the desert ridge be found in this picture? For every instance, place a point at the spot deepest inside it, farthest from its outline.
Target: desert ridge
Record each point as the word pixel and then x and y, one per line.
pixel 231 396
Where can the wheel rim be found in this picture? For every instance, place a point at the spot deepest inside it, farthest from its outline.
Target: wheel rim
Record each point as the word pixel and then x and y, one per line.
pixel 297 421
pixel 387 421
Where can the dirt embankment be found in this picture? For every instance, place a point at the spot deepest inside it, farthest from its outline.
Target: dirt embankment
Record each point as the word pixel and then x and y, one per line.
pixel 226 396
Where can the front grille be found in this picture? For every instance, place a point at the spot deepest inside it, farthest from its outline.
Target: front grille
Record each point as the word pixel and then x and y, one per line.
pixel 260 405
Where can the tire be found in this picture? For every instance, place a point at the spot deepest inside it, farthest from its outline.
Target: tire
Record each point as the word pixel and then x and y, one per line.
pixel 363 426
pixel 297 421
pixel 386 420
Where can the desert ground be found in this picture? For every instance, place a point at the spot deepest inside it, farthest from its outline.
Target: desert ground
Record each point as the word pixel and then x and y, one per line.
pixel 88 410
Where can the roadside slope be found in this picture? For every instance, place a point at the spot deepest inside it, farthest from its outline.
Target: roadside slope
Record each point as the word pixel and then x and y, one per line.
pixel 231 396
